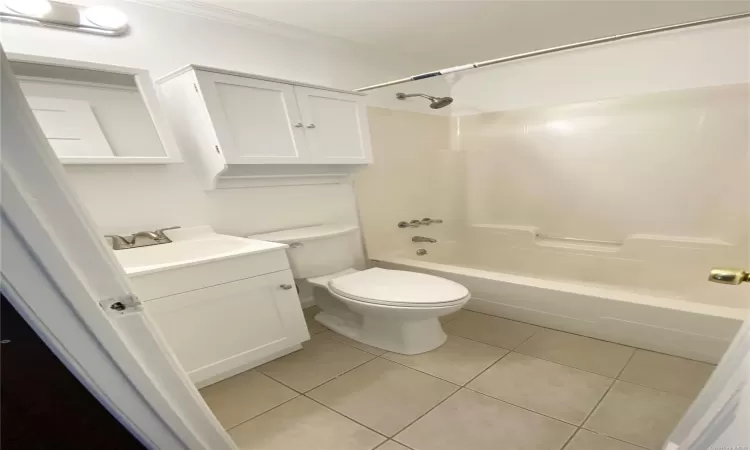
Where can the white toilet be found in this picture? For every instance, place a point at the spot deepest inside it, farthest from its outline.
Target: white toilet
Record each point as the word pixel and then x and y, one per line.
pixel 390 309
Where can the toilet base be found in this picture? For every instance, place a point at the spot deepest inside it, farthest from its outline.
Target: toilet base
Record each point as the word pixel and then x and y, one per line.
pixel 405 337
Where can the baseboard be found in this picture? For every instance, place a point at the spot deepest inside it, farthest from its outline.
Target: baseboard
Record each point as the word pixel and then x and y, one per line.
pixel 307 301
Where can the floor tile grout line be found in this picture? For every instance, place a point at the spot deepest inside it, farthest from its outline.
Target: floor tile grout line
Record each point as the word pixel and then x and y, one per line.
pixel 610 437
pixel 514 350
pixel 420 371
pixel 391 440
pixel 341 374
pixel 522 342
pixel 588 337
pixel 691 399
pixel 615 380
pixel 527 409
pixel 264 412
pixel 325 382
pixel 425 413
pixel 444 400
pixel 561 331
pixel 349 418
pixel 570 438
pixel 537 357
pixel 521 407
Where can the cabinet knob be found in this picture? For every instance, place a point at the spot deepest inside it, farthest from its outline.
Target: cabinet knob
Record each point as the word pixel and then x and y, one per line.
pixel 312 125
pixel 298 125
pixel 286 287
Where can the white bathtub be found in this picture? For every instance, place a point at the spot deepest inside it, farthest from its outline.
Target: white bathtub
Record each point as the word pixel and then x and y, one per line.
pixel 642 319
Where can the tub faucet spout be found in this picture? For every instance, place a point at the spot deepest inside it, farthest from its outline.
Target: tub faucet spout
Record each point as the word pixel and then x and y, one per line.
pixel 423 239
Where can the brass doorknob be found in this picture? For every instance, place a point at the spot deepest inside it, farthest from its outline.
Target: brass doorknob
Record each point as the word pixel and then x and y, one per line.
pixel 729 276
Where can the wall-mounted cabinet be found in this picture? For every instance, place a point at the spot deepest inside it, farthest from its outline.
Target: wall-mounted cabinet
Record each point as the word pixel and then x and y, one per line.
pixel 247 130
pixel 94 113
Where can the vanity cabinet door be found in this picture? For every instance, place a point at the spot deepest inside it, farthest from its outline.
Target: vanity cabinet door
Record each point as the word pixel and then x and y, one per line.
pixel 256 121
pixel 223 330
pixel 335 126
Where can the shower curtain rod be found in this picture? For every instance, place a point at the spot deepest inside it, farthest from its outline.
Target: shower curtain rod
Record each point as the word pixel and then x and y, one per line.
pixel 560 48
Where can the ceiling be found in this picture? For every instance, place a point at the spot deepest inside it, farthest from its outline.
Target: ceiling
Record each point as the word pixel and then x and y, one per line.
pixel 448 33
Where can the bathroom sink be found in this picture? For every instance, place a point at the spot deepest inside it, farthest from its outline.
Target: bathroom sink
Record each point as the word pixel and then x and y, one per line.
pixel 189 246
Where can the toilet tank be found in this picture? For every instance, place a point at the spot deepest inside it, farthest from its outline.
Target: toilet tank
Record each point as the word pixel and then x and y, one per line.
pixel 319 250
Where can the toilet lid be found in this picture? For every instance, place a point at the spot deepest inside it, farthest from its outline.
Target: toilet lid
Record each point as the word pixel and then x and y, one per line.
pixel 398 288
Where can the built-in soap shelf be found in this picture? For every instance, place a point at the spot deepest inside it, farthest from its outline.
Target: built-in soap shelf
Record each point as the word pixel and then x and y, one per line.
pixel 547 240
pixel 633 245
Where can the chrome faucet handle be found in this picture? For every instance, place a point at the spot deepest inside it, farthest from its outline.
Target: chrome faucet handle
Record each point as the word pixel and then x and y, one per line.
pixel 412 224
pixel 150 234
pixel 162 236
pixel 119 242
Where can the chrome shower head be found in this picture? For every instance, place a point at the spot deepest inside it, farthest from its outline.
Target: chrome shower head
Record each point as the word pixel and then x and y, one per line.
pixel 441 102
pixel 436 102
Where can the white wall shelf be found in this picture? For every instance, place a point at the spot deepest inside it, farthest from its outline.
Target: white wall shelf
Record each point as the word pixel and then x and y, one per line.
pixel 96 113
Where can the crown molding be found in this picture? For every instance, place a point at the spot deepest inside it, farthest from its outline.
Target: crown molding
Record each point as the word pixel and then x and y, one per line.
pixel 272 27
pixel 242 19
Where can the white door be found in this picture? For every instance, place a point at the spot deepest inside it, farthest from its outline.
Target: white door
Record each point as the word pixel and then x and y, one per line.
pixel 64 280
pixel 256 121
pixel 719 417
pixel 233 326
pixel 335 125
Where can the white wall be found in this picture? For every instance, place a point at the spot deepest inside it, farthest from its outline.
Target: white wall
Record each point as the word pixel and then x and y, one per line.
pixel 696 57
pixel 126 199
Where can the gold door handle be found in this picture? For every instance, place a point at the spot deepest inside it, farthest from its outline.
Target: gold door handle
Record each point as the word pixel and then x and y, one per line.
pixel 729 276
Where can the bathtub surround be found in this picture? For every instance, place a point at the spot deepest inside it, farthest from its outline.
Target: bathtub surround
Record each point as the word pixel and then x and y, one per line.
pixel 595 202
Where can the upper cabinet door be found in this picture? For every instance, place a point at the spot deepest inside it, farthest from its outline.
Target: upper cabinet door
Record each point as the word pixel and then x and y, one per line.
pixel 256 121
pixel 335 126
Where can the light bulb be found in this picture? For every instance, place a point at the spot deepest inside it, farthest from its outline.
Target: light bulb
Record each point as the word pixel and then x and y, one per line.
pixel 29 8
pixel 106 17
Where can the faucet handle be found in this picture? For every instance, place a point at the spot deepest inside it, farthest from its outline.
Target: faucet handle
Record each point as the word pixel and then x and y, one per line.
pixel 160 231
pixel 412 224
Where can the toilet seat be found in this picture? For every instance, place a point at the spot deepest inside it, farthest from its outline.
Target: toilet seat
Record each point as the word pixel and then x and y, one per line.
pixel 398 288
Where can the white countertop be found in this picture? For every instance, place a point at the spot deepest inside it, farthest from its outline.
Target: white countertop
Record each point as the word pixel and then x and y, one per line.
pixel 189 246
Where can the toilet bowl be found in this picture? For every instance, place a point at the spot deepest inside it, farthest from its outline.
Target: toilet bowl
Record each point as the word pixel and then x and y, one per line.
pixel 393 310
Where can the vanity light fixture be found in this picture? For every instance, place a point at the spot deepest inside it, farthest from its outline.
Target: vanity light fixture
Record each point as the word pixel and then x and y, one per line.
pixel 106 17
pixel 103 20
pixel 30 8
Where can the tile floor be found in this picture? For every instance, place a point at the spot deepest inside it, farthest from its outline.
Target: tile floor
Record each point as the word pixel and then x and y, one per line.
pixel 496 383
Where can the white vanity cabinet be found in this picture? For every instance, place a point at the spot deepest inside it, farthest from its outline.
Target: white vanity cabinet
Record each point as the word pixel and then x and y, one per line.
pixel 240 126
pixel 222 316
pixel 222 330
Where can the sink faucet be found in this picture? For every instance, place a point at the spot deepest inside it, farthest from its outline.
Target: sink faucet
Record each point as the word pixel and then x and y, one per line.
pixel 133 241
pixel 148 234
pixel 119 242
pixel 423 239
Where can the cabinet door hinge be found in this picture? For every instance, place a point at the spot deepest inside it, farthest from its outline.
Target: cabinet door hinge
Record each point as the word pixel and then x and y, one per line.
pixel 217 149
pixel 196 87
pixel 125 304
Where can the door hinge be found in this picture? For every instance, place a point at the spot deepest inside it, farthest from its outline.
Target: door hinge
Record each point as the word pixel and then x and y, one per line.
pixel 217 149
pixel 196 87
pixel 125 304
